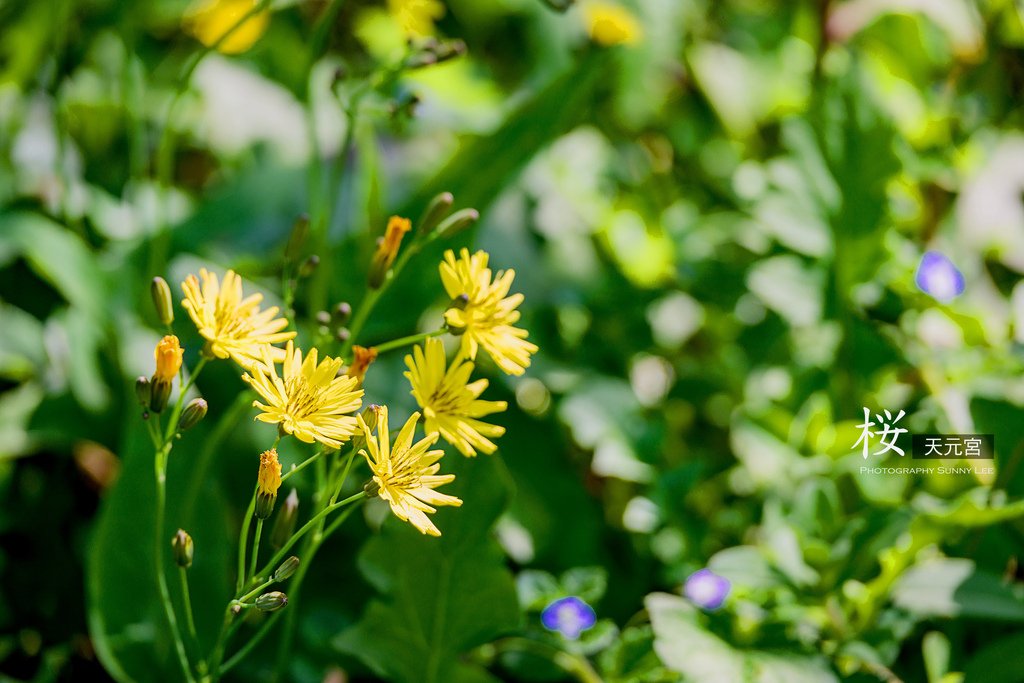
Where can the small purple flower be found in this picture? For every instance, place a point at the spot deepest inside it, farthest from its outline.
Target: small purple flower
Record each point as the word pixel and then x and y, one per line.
pixel 706 589
pixel 937 276
pixel 569 616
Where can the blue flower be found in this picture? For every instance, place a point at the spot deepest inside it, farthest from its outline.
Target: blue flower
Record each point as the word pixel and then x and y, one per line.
pixel 706 589
pixel 569 616
pixel 937 276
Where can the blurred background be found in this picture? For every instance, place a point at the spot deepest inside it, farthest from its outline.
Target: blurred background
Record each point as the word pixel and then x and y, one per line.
pixel 717 212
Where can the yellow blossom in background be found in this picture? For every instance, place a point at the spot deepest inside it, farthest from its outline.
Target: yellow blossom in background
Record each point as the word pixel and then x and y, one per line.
pixel 209 20
pixel 235 327
pixel 309 401
pixel 362 357
pixel 611 24
pixel 168 353
pixel 406 475
pixel 387 249
pixel 488 315
pixel 416 17
pixel 451 404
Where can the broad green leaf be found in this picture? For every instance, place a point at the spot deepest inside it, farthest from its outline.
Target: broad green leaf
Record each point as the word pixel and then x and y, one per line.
pixel 998 662
pixel 684 646
pixel 440 597
pixel 955 587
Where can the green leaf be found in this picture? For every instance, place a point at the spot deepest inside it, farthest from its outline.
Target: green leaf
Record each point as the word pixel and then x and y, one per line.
pixel 978 507
pixel 955 587
pixel 686 647
pixel 440 597
pixel 996 663
pixel 935 648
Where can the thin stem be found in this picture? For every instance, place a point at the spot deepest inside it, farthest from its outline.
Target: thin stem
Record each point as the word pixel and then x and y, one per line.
pixel 337 522
pixel 344 476
pixel 373 295
pixel 190 620
pixel 244 651
pixel 172 422
pixel 301 466
pixel 255 547
pixel 161 578
pixel 283 552
pixel 243 539
pixel 255 591
pixel 406 341
pixel 222 640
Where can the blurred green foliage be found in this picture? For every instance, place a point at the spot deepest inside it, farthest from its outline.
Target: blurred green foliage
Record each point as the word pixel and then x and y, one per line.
pixel 716 229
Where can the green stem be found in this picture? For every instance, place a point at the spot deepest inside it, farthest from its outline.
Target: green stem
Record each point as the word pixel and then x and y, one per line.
pixel 255 547
pixel 222 640
pixel 406 341
pixel 344 476
pixel 190 620
pixel 301 466
pixel 257 590
pixel 283 552
pixel 244 651
pixel 172 423
pixel 373 295
pixel 243 539
pixel 160 462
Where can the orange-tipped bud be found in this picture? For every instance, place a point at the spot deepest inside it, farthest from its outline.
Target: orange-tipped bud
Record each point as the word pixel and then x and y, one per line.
pixel 387 250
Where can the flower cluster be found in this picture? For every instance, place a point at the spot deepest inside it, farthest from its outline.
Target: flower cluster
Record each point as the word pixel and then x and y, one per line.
pixel 316 398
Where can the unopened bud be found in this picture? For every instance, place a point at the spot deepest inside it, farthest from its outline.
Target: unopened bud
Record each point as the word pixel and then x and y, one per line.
pixel 369 416
pixel 297 238
pixel 457 222
pixel 342 312
pixel 361 359
pixel 309 266
pixel 286 569
pixel 183 550
pixel 160 391
pixel 342 334
pixel 436 210
pixel 268 482
pixel 271 602
pixel 284 523
pixel 387 250
pixel 194 411
pixel 143 391
pixel 323 317
pixel 162 302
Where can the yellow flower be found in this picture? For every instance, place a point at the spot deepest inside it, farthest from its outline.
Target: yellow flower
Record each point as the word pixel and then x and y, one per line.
pixel 310 401
pixel 235 327
pixel 268 481
pixel 487 316
pixel 168 358
pixel 208 20
pixel 611 24
pixel 416 17
pixel 387 249
pixel 450 405
pixel 406 475
pixel 362 357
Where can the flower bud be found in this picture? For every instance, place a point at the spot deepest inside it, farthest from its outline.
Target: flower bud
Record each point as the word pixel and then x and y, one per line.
pixel 168 353
pixel 362 357
pixel 309 266
pixel 194 411
pixel 271 602
pixel 286 569
pixel 162 302
pixel 369 416
pixel 342 312
pixel 387 250
pixel 267 484
pixel 143 391
pixel 183 550
pixel 457 222
pixel 436 210
pixel 160 391
pixel 284 523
